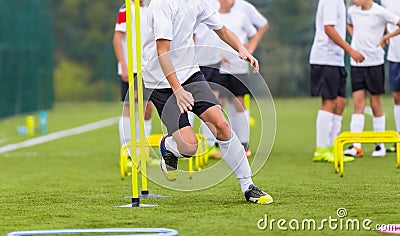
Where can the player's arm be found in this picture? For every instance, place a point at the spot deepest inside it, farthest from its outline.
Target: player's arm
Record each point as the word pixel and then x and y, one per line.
pixel 184 99
pixel 119 53
pixel 255 40
pixel 336 38
pixel 386 37
pixel 232 40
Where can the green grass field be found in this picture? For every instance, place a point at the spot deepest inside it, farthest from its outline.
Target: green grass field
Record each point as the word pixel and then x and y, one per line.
pixel 74 182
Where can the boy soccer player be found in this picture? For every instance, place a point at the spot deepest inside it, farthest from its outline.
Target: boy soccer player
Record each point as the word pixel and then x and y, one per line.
pixel 394 64
pixel 366 24
pixel 120 49
pixel 328 76
pixel 178 86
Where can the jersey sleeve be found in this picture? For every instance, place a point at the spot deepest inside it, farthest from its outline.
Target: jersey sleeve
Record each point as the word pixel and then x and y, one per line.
pixel 330 12
pixel 162 20
pixel 249 28
pixel 209 17
pixel 390 17
pixel 121 21
pixel 254 16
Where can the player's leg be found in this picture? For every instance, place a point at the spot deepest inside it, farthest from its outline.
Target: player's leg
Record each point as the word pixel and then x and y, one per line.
pixel 376 87
pixel 124 121
pixel 358 84
pixel 394 79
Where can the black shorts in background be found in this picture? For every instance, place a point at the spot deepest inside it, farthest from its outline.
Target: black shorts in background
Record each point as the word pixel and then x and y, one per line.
pixel 236 85
pixel 370 78
pixel 328 81
pixel 125 91
pixel 213 77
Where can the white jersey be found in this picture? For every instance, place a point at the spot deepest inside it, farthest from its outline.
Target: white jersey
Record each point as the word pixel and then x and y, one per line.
pixel 394 47
pixel 369 27
pixel 238 24
pixel 175 20
pixel 324 51
pixel 121 27
pixel 206 42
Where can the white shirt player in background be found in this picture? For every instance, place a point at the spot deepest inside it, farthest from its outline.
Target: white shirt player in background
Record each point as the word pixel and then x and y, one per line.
pixel 121 52
pixel 175 75
pixel 394 64
pixel 366 24
pixel 328 75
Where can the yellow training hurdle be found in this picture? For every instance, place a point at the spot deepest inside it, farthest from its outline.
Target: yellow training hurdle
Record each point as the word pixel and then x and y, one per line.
pixel 362 137
pixel 201 157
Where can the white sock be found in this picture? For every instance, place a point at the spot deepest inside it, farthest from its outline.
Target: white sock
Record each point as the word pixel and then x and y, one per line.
pixel 171 146
pixel 191 118
pixel 231 111
pixel 336 127
pixel 357 125
pixel 124 130
pixel 147 127
pixel 378 124
pixel 241 126
pixel 234 155
pixel 324 128
pixel 397 117
pixel 206 132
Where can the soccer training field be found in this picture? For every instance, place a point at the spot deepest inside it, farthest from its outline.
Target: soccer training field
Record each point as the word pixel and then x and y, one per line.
pixel 74 182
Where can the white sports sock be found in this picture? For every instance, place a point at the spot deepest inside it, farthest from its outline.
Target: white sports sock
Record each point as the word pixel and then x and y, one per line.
pixel 124 130
pixel 323 128
pixel 357 125
pixel 234 155
pixel 241 126
pixel 378 124
pixel 206 132
pixel 147 127
pixel 397 117
pixel 336 127
pixel 171 146
pixel 231 111
pixel 191 118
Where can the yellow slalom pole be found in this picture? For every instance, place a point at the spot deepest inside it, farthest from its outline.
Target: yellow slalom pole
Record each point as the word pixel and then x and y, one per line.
pixel 142 155
pixel 135 185
pixel 247 101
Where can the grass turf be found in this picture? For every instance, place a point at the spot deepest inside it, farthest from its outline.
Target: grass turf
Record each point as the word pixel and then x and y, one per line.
pixel 74 182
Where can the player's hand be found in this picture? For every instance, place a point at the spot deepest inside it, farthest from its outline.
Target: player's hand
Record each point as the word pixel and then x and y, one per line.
pixel 245 55
pixel 357 56
pixel 384 41
pixel 184 99
pixel 124 73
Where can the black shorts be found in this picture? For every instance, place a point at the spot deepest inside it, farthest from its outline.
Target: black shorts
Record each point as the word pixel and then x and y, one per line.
pixel 370 78
pixel 212 76
pixel 165 102
pixel 125 91
pixel 236 85
pixel 328 81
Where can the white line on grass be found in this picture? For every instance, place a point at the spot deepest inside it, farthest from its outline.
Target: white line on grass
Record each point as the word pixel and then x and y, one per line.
pixel 60 134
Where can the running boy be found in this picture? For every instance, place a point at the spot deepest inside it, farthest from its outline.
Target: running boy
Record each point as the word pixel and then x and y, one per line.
pixel 366 24
pixel 328 76
pixel 178 86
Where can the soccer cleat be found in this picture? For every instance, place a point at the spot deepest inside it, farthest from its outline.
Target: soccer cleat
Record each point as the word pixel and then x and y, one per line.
pixel 248 152
pixel 330 158
pixel 392 149
pixel 256 195
pixel 320 154
pixel 379 151
pixel 353 152
pixel 168 162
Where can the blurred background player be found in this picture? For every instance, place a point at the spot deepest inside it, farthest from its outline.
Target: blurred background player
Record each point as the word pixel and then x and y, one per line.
pixel 235 71
pixel 394 64
pixel 328 75
pixel 366 24
pixel 120 49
